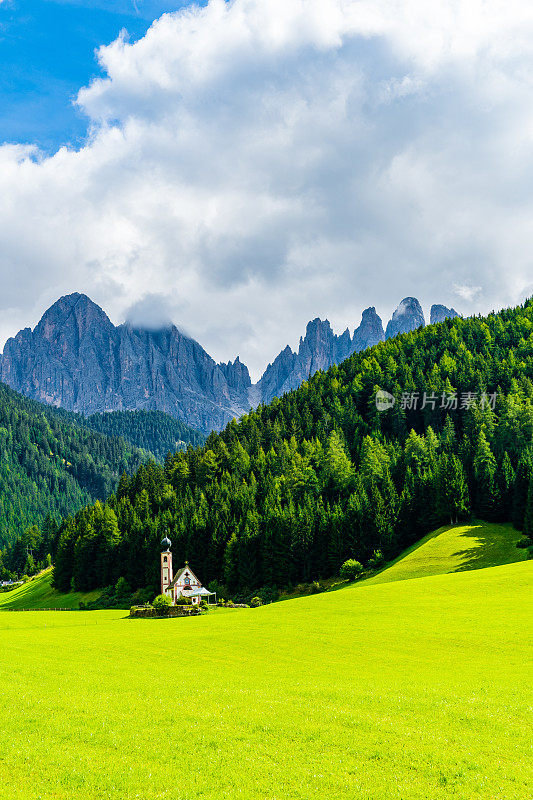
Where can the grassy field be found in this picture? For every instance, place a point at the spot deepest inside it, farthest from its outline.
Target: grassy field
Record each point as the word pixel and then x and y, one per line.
pixel 38 593
pixel 455 548
pixel 409 689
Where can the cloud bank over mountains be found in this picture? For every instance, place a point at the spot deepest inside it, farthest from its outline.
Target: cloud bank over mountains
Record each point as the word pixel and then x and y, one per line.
pixel 251 165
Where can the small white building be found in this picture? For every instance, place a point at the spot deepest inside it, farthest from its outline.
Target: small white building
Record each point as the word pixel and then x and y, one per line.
pixel 184 583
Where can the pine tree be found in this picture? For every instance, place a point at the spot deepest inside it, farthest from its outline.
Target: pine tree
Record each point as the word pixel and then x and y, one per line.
pixel 487 498
pixel 521 489
pixel 337 467
pixel 452 498
pixel 528 512
pixel 506 481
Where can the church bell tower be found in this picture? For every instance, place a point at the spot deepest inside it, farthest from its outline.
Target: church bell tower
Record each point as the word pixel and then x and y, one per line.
pixel 166 565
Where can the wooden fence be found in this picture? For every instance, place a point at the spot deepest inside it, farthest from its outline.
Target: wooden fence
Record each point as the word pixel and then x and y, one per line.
pixel 40 609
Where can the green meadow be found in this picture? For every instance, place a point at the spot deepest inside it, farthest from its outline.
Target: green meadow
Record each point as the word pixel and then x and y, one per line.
pixel 38 593
pixel 408 689
pixel 455 548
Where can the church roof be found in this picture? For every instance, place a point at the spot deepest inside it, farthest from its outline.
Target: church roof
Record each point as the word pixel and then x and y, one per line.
pixel 180 572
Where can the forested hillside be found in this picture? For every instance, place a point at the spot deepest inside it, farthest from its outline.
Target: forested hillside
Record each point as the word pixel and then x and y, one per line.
pixel 298 486
pixel 154 431
pixel 50 467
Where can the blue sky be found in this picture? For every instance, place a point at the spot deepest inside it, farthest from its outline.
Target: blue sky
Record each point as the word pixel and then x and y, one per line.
pixel 47 52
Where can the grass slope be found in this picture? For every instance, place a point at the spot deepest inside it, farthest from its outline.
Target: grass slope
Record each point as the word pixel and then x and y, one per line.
pixel 38 593
pixel 455 548
pixel 407 690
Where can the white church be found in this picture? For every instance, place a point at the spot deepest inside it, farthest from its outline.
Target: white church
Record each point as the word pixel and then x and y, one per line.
pixel 184 583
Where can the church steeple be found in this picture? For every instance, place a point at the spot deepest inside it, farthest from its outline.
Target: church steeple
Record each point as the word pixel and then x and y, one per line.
pixel 166 565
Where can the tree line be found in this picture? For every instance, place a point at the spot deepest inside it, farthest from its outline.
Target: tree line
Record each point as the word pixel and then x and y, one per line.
pixel 319 476
pixel 53 462
pixel 50 467
pixel 152 431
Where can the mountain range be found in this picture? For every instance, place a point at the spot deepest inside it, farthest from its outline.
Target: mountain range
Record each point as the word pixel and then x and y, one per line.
pixel 77 359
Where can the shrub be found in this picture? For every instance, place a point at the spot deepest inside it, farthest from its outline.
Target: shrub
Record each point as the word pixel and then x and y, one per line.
pixel 376 560
pixel 268 594
pixel 316 588
pixel 184 601
pixel 162 603
pixel 351 569
pixel 122 588
pixel 10 587
pixel 256 602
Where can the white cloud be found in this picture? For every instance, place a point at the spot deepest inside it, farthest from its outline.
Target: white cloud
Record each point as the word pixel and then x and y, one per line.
pixel 254 164
pixel 466 292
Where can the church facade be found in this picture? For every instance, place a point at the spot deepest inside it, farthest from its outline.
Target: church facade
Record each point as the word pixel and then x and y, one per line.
pixel 184 583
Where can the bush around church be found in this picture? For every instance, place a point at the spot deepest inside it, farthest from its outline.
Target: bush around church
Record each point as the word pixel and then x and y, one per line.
pixel 162 603
pixel 183 601
pixel 162 606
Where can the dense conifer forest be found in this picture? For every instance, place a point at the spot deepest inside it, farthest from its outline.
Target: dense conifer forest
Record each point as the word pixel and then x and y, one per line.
pixel 295 488
pixel 50 467
pixel 53 462
pixel 153 431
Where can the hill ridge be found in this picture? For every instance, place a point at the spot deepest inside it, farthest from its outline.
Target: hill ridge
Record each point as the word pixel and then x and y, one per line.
pixel 326 473
pixel 76 358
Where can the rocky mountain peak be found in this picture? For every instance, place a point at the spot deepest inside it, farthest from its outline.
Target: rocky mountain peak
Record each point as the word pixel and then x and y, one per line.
pixel 74 313
pixel 317 331
pixel 407 317
pixel 369 332
pixel 237 375
pixel 439 313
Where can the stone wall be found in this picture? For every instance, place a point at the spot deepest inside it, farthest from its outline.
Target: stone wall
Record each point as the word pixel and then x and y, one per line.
pixel 173 611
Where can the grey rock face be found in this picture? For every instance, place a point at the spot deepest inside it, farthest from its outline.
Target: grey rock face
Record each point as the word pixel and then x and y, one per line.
pixel 369 332
pixel 76 358
pixel 439 313
pixel 319 349
pixel 276 375
pixel 407 317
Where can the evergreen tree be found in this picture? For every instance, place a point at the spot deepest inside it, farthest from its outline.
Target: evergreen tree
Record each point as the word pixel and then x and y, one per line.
pixel 453 501
pixel 524 473
pixel 528 512
pixel 506 482
pixel 487 498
